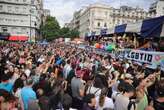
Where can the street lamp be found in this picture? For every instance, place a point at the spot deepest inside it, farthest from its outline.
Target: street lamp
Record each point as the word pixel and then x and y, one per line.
pixel 30 22
pixel 31 18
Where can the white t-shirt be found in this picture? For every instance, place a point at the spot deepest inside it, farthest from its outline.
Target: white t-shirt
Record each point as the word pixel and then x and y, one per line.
pixel 108 103
pixel 66 70
pixel 94 90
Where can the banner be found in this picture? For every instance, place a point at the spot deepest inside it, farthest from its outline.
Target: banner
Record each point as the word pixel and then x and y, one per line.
pixel 151 58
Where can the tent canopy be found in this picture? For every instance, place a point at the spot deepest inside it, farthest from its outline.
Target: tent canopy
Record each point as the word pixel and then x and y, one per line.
pixel 153 27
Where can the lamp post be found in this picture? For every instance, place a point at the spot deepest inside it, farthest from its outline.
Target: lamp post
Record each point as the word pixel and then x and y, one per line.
pixel 30 22
pixel 35 25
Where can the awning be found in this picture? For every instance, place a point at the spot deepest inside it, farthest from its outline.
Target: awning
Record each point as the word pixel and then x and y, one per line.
pixel 153 27
pixel 4 36
pixel 18 38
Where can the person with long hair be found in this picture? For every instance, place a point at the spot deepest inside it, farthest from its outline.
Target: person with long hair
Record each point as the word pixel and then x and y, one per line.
pixel 104 102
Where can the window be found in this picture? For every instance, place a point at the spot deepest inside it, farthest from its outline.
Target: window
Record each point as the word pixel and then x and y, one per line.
pixel 9 8
pixel 105 25
pixel 1 7
pixel 16 9
pixel 32 11
pixel 24 0
pixel 23 30
pixel 24 9
pixel 98 24
pixel 93 14
pixel 32 2
pixel 4 29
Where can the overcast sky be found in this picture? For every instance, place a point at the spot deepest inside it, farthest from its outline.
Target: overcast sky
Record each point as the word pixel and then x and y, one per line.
pixel 63 9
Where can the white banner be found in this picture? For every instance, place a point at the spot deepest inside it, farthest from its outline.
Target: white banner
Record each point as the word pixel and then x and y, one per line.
pixel 153 59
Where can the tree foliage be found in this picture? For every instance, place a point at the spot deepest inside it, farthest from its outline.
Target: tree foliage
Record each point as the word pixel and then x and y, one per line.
pixel 68 33
pixel 51 30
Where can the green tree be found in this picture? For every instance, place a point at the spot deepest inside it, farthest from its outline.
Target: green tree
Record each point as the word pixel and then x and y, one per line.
pixel 65 32
pixel 50 29
pixel 74 33
pixel 68 33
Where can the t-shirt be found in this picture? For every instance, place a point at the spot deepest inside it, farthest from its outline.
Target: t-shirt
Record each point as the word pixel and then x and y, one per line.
pixel 76 85
pixel 6 86
pixel 122 102
pixel 66 70
pixel 94 90
pixel 27 94
pixel 108 103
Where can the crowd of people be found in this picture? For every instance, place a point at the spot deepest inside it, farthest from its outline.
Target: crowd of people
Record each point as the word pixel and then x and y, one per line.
pixel 59 76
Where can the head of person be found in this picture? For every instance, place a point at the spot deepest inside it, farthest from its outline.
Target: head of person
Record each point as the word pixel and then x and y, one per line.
pixel 5 77
pixel 90 100
pixel 29 82
pixel 121 86
pixel 128 78
pixel 141 83
pixel 98 83
pixel 11 69
pixel 16 70
pixel 79 74
pixel 23 76
pixel 129 90
pixel 160 88
pixel 68 61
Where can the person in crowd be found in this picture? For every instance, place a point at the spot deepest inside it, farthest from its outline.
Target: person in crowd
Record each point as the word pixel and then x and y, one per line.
pixel 159 101
pixel 78 88
pixel 67 69
pixel 103 101
pixel 96 87
pixel 61 76
pixel 89 102
pixel 28 95
pixel 122 101
pixel 141 91
pixel 5 84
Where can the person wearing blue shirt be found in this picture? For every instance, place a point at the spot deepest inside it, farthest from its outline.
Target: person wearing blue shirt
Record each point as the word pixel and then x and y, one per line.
pixel 5 84
pixel 28 94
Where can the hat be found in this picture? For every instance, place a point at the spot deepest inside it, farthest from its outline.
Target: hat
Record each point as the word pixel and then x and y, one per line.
pixel 128 76
pixel 79 73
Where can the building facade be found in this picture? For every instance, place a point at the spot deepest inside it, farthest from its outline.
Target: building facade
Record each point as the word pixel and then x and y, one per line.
pixel 21 17
pixel 97 16
pixel 157 9
pixel 46 13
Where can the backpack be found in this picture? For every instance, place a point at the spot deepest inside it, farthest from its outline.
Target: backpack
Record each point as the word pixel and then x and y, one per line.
pixel 131 103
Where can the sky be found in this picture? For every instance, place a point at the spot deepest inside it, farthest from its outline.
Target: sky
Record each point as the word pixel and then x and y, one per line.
pixel 63 9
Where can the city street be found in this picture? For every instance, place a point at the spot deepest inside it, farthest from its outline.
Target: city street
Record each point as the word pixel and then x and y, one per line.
pixel 81 55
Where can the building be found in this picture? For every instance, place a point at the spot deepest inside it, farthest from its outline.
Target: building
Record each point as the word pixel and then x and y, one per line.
pixel 46 13
pixel 98 16
pixel 157 9
pixel 21 18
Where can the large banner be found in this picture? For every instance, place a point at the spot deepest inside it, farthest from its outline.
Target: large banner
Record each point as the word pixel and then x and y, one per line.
pixel 152 59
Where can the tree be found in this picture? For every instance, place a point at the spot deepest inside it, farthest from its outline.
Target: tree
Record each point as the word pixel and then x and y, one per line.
pixel 65 32
pixel 50 29
pixel 68 33
pixel 75 33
